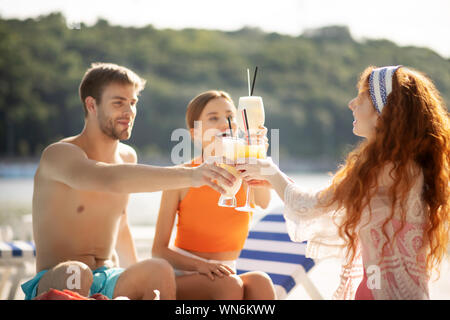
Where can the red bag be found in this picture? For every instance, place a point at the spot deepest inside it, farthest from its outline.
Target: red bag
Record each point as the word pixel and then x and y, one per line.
pixel 99 296
pixel 54 294
pixel 75 295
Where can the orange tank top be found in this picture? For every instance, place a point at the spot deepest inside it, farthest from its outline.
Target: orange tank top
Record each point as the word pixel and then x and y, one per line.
pixel 203 226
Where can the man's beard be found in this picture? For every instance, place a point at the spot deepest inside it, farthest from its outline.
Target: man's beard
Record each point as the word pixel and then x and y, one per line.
pixel 107 127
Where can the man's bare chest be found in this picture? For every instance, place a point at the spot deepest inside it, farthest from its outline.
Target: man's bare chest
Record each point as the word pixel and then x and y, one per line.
pixel 100 201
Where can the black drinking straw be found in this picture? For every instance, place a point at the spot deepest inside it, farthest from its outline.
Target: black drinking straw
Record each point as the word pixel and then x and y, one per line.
pixel 254 80
pixel 229 124
pixel 246 123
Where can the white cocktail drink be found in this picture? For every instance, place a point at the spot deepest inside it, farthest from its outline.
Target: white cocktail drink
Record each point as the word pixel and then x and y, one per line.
pixel 255 113
pixel 231 191
pixel 229 198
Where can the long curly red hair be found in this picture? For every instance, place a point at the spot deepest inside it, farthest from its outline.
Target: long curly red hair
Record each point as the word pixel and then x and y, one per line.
pixel 412 128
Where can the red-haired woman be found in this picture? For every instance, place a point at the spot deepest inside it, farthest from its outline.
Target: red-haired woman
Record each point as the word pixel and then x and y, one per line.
pixel 387 209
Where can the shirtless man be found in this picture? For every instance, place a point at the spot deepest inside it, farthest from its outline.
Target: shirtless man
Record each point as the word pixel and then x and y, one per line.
pixel 81 191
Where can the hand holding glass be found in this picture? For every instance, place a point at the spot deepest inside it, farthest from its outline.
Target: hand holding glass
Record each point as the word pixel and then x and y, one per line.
pixel 228 150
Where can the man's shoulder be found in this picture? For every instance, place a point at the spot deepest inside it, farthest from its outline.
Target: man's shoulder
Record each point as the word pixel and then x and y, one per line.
pixel 56 155
pixel 61 147
pixel 127 153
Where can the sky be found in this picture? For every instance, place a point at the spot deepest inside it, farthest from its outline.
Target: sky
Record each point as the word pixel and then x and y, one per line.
pixel 422 23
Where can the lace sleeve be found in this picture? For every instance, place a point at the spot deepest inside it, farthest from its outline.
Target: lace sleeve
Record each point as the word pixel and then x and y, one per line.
pixel 306 221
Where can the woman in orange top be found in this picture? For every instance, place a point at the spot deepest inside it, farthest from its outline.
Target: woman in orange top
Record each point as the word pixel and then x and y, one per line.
pixel 209 238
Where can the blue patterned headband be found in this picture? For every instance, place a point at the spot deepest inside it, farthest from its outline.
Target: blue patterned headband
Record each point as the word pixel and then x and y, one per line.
pixel 380 85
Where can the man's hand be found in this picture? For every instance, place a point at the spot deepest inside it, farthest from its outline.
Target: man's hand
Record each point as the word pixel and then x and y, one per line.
pixel 211 175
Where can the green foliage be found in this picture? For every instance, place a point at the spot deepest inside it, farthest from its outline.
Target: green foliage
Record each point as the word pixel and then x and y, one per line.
pixel 306 81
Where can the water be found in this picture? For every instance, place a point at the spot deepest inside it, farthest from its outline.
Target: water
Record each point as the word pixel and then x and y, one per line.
pixel 143 207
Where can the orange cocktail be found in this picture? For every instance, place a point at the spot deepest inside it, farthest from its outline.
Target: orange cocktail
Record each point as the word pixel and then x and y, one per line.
pixel 251 149
pixel 256 150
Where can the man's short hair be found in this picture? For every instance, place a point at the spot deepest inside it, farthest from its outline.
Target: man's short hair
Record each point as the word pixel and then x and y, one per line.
pixel 100 74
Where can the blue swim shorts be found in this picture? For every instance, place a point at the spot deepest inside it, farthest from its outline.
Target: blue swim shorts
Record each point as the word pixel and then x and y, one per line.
pixel 104 282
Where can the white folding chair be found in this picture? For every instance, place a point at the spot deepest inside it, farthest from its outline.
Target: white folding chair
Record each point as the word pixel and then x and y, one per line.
pixel 14 255
pixel 269 248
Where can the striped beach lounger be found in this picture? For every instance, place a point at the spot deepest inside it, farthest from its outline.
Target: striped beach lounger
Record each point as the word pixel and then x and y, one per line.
pixel 269 248
pixel 13 257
